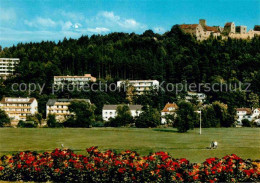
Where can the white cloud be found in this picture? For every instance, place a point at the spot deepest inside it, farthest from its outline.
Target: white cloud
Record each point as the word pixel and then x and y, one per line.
pixel 98 30
pixel 72 15
pixel 41 22
pixel 7 15
pixel 109 15
pixel 115 22
pixel 65 26
pixel 159 29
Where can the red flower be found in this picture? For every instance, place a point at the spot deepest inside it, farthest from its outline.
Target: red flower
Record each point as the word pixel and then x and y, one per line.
pixel 121 170
pixel 19 166
pixel 1 168
pixel 195 177
pixel 118 163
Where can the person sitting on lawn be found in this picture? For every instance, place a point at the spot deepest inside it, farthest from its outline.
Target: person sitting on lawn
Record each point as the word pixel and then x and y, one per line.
pixel 212 145
pixel 215 144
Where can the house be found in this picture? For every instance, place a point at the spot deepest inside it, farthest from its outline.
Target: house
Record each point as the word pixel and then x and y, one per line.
pixel 256 113
pixel 247 113
pixel 201 97
pixel 60 108
pixel 19 108
pixel 7 66
pixel 241 29
pixel 169 109
pixel 243 113
pixel 230 27
pixel 74 80
pixel 109 111
pixel 139 86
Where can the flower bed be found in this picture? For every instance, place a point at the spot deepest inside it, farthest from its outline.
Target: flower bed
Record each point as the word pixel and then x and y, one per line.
pixel 128 166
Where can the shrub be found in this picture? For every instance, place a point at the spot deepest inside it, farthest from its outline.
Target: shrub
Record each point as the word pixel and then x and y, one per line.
pixel 27 124
pixel 127 166
pixel 247 123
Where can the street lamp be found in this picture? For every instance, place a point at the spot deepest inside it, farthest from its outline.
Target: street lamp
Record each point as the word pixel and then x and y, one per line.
pixel 200 120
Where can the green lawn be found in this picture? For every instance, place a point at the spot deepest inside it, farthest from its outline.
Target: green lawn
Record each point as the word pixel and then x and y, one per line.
pixel 244 142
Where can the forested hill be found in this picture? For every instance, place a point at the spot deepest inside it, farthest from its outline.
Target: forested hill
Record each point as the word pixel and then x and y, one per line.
pixel 172 56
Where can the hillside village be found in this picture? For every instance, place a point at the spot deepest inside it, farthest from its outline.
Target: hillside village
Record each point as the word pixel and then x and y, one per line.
pixel 19 109
pixel 202 31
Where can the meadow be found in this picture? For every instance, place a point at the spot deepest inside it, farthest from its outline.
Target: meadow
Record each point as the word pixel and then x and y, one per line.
pixel 244 142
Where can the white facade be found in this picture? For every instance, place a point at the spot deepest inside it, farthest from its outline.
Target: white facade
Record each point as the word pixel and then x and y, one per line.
pixel 109 111
pixel 169 109
pixel 201 96
pixel 77 80
pixel 247 113
pixel 60 108
pixel 140 86
pixel 7 66
pixel 19 108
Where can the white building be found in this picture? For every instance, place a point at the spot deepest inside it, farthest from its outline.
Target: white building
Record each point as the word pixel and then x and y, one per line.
pixel 7 66
pixel 19 108
pixel 247 113
pixel 60 108
pixel 140 86
pixel 169 109
pixel 109 111
pixel 201 97
pixel 75 80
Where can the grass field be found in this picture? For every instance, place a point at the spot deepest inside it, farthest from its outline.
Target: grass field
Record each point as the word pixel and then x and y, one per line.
pixel 244 142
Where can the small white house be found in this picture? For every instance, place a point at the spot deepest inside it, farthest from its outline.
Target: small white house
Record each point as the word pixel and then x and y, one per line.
pixel 109 111
pixel 243 113
pixel 201 97
pixel 247 113
pixel 169 109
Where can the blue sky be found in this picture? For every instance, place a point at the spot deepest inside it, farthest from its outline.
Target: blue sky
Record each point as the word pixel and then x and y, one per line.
pixel 37 20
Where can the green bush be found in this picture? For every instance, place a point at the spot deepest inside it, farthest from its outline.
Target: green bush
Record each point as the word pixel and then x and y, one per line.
pixel 27 124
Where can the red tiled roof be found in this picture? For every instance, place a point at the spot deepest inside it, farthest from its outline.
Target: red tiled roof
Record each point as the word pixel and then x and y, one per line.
pixel 248 110
pixel 3 101
pixel 168 105
pixel 228 24
pixel 188 26
pixel 213 29
pixel 257 28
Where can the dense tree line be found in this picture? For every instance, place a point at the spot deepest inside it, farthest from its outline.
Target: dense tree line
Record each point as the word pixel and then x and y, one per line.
pixel 172 57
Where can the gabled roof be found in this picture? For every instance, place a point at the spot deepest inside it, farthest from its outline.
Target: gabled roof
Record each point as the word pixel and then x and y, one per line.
pixel 248 110
pixel 6 100
pixel 169 105
pixel 257 28
pixel 51 102
pixel 114 107
pixel 213 29
pixel 228 24
pixel 188 26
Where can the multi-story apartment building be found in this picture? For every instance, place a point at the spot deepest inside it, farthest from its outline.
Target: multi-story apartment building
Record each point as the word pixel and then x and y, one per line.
pixel 201 97
pixel 109 111
pixel 19 108
pixel 75 80
pixel 139 86
pixel 60 108
pixel 7 66
pixel 169 109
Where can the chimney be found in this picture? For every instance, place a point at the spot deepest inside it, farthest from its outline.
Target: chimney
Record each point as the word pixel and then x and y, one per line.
pixel 202 22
